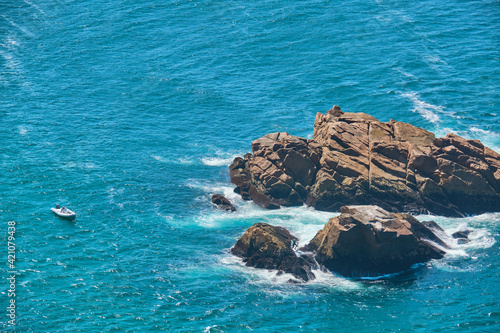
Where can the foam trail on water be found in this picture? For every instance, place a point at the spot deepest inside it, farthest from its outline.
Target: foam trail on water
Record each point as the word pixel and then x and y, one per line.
pixel 217 161
pixel 408 75
pixel 23 29
pixel 221 158
pixel 179 161
pixel 427 110
pixel 156 157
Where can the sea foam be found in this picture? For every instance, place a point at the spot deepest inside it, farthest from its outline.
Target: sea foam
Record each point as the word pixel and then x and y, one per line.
pixel 216 161
pixel 303 222
pixel 178 161
pixel 268 279
pixel 427 110
pixel 22 130
pixel 480 236
pixel 221 158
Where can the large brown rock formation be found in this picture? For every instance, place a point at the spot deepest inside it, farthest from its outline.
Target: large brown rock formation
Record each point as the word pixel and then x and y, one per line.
pixel 354 159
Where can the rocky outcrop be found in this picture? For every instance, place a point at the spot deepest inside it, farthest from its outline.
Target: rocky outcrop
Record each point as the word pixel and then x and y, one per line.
pixel 268 247
pixel 369 241
pixel 280 172
pixel 354 159
pixel 223 203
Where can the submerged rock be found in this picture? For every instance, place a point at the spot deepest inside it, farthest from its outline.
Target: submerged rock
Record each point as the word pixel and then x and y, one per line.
pixel 354 159
pixel 369 241
pixel 462 236
pixel 269 247
pixel 223 203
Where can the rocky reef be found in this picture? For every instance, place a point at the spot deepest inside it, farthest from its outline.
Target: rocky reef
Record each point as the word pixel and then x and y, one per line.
pixel 354 159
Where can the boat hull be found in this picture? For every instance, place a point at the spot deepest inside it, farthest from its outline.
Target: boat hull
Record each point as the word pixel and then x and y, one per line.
pixel 68 215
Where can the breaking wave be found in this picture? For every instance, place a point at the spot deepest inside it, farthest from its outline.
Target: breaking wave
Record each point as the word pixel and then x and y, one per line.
pixel 221 159
pixel 429 111
pixel 217 161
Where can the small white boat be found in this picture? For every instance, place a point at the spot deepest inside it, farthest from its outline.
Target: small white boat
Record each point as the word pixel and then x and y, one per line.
pixel 64 213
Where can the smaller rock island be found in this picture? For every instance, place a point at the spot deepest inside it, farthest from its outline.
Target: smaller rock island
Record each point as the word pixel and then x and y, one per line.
pixel 368 241
pixel 363 241
pixel 269 247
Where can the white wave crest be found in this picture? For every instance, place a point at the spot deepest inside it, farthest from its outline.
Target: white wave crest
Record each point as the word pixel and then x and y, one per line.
pixel 220 158
pixel 22 130
pixel 480 236
pixel 427 110
pixel 269 278
pixel 303 222
pixel 217 161
pixel 223 159
pixel 156 157
pixel 406 74
pixel 481 131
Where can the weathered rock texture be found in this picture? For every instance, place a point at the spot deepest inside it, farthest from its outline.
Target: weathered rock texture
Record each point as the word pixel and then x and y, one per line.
pixel 354 159
pixel 369 241
pixel 269 247
pixel 223 203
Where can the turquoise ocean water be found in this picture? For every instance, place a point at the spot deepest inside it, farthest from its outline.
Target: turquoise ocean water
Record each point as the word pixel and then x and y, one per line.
pixel 129 112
